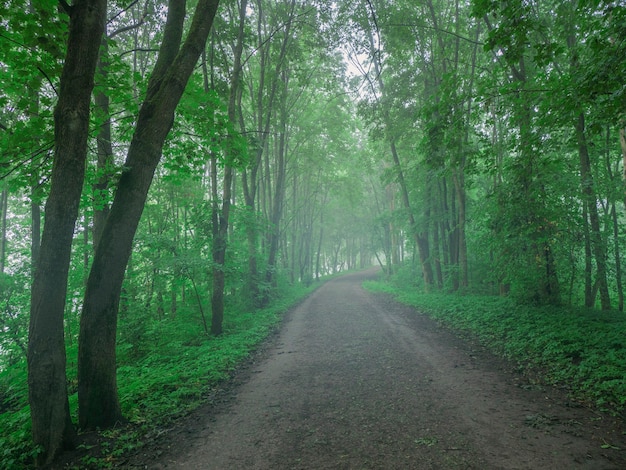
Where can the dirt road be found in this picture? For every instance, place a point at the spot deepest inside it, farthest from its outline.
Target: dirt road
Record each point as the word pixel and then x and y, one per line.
pixel 357 381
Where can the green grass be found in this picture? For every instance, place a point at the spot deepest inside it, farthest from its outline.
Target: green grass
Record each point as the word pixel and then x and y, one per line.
pixel 583 350
pixel 172 374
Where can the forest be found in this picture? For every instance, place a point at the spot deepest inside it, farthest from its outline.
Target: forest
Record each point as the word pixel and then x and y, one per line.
pixel 174 175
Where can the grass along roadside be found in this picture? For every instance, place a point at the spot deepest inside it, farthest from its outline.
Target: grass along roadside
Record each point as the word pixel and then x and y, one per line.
pixel 163 375
pixel 583 350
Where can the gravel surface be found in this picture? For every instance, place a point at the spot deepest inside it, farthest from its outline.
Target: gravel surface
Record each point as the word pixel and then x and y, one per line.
pixel 355 380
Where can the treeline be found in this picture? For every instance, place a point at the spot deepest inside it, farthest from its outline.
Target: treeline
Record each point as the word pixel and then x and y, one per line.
pixel 502 125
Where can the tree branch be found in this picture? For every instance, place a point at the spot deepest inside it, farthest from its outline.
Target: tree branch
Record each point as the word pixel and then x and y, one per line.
pixel 48 80
pixel 124 10
pixel 132 26
pixel 65 6
pixel 451 33
pixel 138 49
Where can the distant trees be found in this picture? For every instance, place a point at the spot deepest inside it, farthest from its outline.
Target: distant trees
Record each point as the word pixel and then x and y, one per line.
pixel 492 118
pixel 420 80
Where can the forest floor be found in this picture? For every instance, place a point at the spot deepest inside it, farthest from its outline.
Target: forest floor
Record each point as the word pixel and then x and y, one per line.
pixel 355 380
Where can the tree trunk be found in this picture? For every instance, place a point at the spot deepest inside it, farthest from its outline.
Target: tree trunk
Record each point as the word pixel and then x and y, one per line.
pixel 615 220
pixel 459 185
pixel 52 428
pixel 279 195
pixel 421 239
pixel 437 256
pixel 265 102
pixel 249 181
pixel 221 218
pixel 4 202
pixel 104 165
pixel 298 225
pixel 622 141
pixel 320 239
pixel 618 262
pixel 97 388
pixel 588 273
pixel 35 227
pixel 597 241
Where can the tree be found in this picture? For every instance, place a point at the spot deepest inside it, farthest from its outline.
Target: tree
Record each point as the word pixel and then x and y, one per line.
pixel 98 399
pixel 4 204
pixel 52 428
pixel 265 94
pixel 524 214
pixel 470 169
pixel 383 111
pixel 221 218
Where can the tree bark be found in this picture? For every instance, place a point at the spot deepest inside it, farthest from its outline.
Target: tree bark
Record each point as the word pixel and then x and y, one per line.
pixel 52 428
pixel 35 228
pixel 104 163
pixel 459 185
pixel 421 239
pixel 622 141
pixel 320 239
pixel 588 272
pixel 265 102
pixel 97 390
pixel 279 195
pixel 618 262
pixel 597 241
pixel 4 202
pixel 221 218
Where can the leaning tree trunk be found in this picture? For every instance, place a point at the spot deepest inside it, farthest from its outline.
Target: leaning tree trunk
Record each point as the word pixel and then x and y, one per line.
pixel 104 151
pixel 97 387
pixel 52 428
pixel 421 238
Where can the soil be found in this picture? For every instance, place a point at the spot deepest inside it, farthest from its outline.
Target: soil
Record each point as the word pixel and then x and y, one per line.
pixel 354 380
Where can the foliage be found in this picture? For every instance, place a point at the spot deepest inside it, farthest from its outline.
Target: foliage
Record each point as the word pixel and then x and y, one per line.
pixel 471 106
pixel 174 374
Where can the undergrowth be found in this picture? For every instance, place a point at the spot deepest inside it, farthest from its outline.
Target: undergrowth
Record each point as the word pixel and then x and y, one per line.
pixel 173 373
pixel 583 350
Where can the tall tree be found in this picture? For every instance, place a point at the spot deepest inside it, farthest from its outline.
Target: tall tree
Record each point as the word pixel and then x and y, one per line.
pixel 419 233
pixel 265 91
pixel 52 428
pixel 98 399
pixel 525 213
pixel 4 206
pixel 221 217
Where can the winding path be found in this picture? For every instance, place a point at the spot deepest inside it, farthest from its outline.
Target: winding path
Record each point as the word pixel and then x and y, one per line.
pixel 357 381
